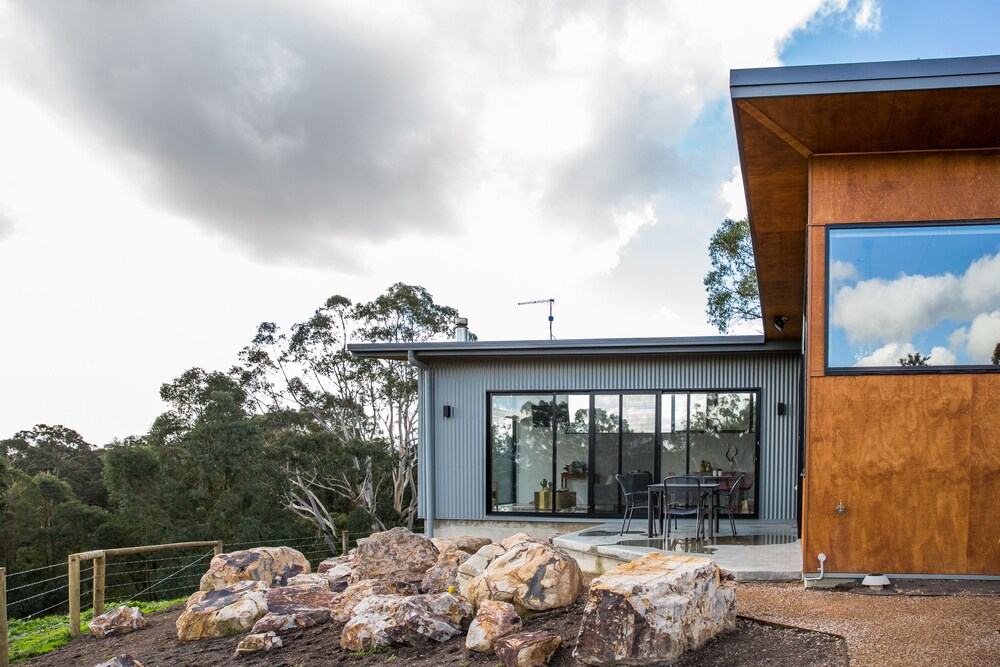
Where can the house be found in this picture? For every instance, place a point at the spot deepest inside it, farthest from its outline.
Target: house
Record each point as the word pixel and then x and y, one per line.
pixel 874 197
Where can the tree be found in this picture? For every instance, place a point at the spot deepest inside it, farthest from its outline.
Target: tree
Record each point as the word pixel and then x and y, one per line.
pixel 365 404
pixel 995 360
pixel 915 359
pixel 63 453
pixel 732 282
pixel 202 472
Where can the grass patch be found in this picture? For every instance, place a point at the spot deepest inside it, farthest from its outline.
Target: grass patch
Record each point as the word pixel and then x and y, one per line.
pixel 374 650
pixel 38 636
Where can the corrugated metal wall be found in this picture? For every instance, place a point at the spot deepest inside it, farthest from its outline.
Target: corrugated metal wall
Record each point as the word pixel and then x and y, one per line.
pixel 460 456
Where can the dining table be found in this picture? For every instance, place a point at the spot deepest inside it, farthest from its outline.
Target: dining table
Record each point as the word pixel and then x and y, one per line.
pixel 707 488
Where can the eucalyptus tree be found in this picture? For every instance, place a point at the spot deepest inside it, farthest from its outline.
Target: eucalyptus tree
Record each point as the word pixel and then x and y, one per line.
pixel 732 282
pixel 369 406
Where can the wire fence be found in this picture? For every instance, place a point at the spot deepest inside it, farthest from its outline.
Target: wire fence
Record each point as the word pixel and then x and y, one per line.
pixel 38 598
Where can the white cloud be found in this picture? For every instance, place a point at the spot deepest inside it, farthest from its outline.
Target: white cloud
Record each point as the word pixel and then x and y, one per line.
pixel 733 195
pixel 879 309
pixel 980 338
pixel 942 356
pixel 887 355
pixel 868 17
pixel 841 271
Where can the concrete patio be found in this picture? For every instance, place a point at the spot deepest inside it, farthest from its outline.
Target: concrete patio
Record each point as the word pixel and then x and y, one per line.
pixel 760 551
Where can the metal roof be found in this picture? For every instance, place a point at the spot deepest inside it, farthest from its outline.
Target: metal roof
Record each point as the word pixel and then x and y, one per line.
pixel 865 77
pixel 575 347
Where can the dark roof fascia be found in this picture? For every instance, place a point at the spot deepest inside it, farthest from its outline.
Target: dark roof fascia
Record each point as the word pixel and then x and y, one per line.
pixel 865 77
pixel 576 348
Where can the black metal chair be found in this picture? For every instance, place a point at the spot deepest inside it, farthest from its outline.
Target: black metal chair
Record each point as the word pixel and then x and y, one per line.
pixel 633 499
pixel 682 498
pixel 728 501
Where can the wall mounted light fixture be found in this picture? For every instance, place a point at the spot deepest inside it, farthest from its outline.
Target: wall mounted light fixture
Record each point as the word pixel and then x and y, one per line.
pixel 447 412
pixel 779 322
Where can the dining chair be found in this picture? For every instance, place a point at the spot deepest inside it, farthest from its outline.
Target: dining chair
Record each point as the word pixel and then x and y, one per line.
pixel 633 499
pixel 684 499
pixel 728 501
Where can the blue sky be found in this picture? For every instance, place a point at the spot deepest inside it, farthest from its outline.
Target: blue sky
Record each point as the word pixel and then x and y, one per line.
pixel 173 174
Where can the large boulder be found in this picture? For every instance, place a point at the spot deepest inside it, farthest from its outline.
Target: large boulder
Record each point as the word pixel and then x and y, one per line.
pixel 396 554
pixel 390 620
pixel 653 609
pixel 444 574
pixel 475 566
pixel 311 578
pixel 528 649
pixel 222 612
pixel 494 620
pixel 342 606
pixel 466 543
pixel 252 643
pixel 532 575
pixel 119 621
pixel 270 565
pixel 293 607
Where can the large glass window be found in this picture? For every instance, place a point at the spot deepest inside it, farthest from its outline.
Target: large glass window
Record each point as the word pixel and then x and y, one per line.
pixel 905 296
pixel 560 453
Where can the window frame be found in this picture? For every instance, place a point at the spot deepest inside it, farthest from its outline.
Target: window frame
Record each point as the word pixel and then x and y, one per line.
pixel 962 369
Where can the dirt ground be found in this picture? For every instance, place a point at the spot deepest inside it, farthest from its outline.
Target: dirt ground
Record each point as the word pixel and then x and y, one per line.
pixel 839 627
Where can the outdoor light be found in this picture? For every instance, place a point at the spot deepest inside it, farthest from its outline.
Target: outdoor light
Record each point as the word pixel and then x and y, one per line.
pixel 779 322
pixel 447 412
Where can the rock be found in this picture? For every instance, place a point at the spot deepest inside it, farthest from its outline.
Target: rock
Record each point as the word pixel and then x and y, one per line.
pixel 532 575
pixel 466 543
pixel 118 621
pixel 515 539
pixel 339 563
pixel 342 606
pixel 390 620
pixel 654 609
pixel 223 612
pixel 299 599
pixel 266 641
pixel 396 554
pixel 270 565
pixel 493 620
pixel 281 622
pixel 444 574
pixel 475 566
pixel 121 661
pixel 528 649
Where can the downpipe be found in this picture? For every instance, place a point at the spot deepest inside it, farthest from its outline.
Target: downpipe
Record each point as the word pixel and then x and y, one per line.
pixel 426 418
pixel 822 560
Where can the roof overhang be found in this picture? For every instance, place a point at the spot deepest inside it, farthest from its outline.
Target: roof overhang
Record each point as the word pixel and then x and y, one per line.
pixel 588 347
pixel 786 115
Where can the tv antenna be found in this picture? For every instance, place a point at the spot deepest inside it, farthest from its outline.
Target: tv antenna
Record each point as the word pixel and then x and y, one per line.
pixel 548 301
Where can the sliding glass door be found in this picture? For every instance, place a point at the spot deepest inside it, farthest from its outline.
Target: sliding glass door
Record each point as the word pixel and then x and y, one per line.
pixel 559 453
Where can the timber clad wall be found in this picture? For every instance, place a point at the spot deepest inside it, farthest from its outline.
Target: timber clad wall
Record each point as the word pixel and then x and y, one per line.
pixel 460 457
pixel 915 458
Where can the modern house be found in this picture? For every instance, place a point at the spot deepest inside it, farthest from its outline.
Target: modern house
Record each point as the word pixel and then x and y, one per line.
pixel 868 412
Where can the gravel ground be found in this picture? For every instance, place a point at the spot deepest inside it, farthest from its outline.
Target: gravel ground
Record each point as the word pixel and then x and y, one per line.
pixel 886 630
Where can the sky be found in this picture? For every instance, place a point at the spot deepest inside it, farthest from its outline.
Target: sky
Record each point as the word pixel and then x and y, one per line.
pixel 173 174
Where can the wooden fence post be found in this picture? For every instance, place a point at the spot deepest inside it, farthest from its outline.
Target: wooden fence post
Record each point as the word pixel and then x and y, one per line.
pixel 217 548
pixel 347 542
pixel 98 586
pixel 3 617
pixel 74 595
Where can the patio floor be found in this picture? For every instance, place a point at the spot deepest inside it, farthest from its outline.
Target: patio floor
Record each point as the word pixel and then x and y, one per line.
pixel 760 551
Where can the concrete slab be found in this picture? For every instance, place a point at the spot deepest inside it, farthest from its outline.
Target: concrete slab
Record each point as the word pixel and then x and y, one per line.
pixel 760 551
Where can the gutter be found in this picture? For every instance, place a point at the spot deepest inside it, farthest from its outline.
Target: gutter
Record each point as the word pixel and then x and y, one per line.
pixel 428 419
